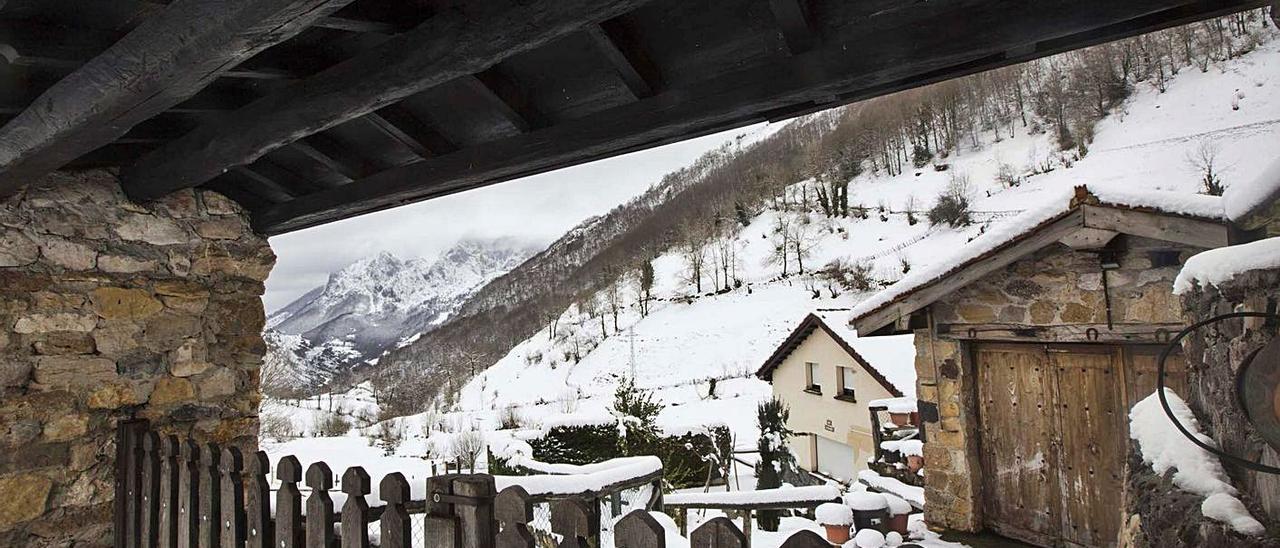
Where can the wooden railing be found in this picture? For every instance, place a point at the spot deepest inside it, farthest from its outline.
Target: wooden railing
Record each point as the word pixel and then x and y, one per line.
pixel 176 493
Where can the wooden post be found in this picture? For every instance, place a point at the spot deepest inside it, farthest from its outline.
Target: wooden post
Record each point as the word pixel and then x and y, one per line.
pixel 475 517
pixel 638 529
pixel 188 493
pixel 231 466
pixel 655 499
pixel 718 532
pixel 131 448
pixel 319 506
pixel 167 526
pixel 355 512
pixel 684 521
pixel 615 504
pixel 288 522
pixel 149 529
pixel 257 503
pixel 210 498
pixel 513 512
pixel 394 523
pixel 442 529
pixel 746 525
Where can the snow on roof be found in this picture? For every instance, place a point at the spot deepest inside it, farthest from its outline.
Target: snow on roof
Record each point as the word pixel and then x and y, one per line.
pixel 896 405
pixel 781 495
pixel 1215 266
pixel 910 493
pixel 1055 205
pixel 894 357
pixel 1195 469
pixel 1242 200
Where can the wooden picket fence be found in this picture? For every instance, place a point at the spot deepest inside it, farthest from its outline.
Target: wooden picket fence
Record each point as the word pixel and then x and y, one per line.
pixel 175 493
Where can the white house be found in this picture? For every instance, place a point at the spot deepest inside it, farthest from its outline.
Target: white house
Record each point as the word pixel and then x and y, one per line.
pixel 827 376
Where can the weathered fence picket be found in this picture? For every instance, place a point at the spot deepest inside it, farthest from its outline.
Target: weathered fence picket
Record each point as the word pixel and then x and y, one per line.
pixel 513 511
pixel 394 523
pixel 638 529
pixel 355 512
pixel 442 528
pixel 167 522
pixel 577 521
pixel 288 520
pixel 231 486
pixel 473 504
pixel 131 448
pixel 805 538
pixel 319 506
pixel 718 532
pixel 150 507
pixel 210 498
pixel 257 503
pixel 188 492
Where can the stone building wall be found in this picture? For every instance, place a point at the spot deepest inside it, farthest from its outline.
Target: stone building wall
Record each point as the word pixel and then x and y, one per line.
pixel 114 310
pixel 1055 286
pixel 1164 515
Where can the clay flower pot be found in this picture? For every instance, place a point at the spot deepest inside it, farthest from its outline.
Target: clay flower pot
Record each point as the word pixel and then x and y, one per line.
pixel 900 419
pixel 915 463
pixel 837 534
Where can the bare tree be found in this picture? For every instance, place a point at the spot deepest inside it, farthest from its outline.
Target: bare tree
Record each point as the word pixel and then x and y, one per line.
pixel 1204 159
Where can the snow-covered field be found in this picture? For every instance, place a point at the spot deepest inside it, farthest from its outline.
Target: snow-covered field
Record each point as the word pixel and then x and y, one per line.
pixel 686 340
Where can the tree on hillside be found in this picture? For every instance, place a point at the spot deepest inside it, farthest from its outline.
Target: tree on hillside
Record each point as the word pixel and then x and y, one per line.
pixel 644 286
pixel 776 460
pixel 1204 159
pixel 637 412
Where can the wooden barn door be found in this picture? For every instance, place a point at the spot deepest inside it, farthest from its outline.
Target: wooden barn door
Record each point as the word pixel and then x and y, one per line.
pixel 1054 435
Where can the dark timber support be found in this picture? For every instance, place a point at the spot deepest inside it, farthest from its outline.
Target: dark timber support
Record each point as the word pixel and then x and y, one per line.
pixel 634 67
pixel 774 90
pixel 793 18
pixel 445 47
pixel 161 63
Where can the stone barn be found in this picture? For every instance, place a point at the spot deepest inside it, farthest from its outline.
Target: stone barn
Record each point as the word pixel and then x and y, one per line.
pixel 1034 342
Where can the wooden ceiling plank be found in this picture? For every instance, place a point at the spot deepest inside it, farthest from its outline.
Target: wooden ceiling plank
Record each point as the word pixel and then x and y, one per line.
pixel 633 66
pixel 444 47
pixel 791 86
pixel 506 99
pixel 161 63
pixel 415 130
pixel 265 186
pixel 357 25
pixel 793 18
pixel 326 159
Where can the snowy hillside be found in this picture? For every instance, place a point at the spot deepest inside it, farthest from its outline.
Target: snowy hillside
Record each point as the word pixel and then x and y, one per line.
pixel 380 302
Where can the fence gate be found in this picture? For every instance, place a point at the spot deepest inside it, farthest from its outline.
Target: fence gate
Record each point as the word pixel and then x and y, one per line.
pixel 1054 435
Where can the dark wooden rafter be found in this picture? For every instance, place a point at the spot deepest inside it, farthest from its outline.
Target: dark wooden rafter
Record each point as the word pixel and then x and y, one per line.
pixel 797 28
pixel 505 98
pixel 159 64
pixel 797 85
pixel 445 47
pixel 623 52
pixel 403 126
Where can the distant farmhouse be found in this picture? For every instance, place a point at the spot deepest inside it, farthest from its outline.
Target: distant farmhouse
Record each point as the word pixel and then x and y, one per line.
pixel 827 383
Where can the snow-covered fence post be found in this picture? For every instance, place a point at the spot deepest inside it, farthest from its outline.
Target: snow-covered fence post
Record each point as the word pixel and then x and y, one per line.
pixel 289 504
pixel 805 538
pixel 577 522
pixel 231 464
pixel 718 532
pixel 319 506
pixel 355 512
pixel 638 529
pixel 394 523
pixel 257 502
pixel 513 512
pixel 210 527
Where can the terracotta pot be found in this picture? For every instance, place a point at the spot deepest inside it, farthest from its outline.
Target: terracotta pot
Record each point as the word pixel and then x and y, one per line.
pixel 915 463
pixel 900 419
pixel 837 534
pixel 898 523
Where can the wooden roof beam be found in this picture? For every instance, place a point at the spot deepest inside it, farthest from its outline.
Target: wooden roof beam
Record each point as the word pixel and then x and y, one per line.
pixel 506 98
pixel 403 126
pixel 624 53
pixel 444 47
pixel 793 18
pixel 161 63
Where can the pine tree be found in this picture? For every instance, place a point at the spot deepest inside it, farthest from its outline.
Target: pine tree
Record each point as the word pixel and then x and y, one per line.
pixel 776 460
pixel 638 413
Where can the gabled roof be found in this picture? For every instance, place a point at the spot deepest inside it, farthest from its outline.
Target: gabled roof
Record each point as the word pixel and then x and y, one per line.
pixel 813 322
pixel 1086 217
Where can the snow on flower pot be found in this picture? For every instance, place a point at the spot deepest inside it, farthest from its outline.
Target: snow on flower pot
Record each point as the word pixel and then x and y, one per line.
pixel 899 509
pixel 836 519
pixel 870 510
pixel 868 538
pixel 914 451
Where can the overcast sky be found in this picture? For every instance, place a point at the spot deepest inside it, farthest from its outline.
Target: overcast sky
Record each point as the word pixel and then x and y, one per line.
pixel 539 208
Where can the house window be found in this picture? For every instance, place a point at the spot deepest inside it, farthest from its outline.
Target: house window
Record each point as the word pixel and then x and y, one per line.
pixel 811 376
pixel 844 383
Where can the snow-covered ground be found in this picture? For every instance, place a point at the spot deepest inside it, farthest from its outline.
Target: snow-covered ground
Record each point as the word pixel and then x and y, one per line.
pixel 687 340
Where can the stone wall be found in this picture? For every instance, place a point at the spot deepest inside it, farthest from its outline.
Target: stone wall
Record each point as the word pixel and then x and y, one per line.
pixel 1055 286
pixel 114 310
pixel 1213 355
